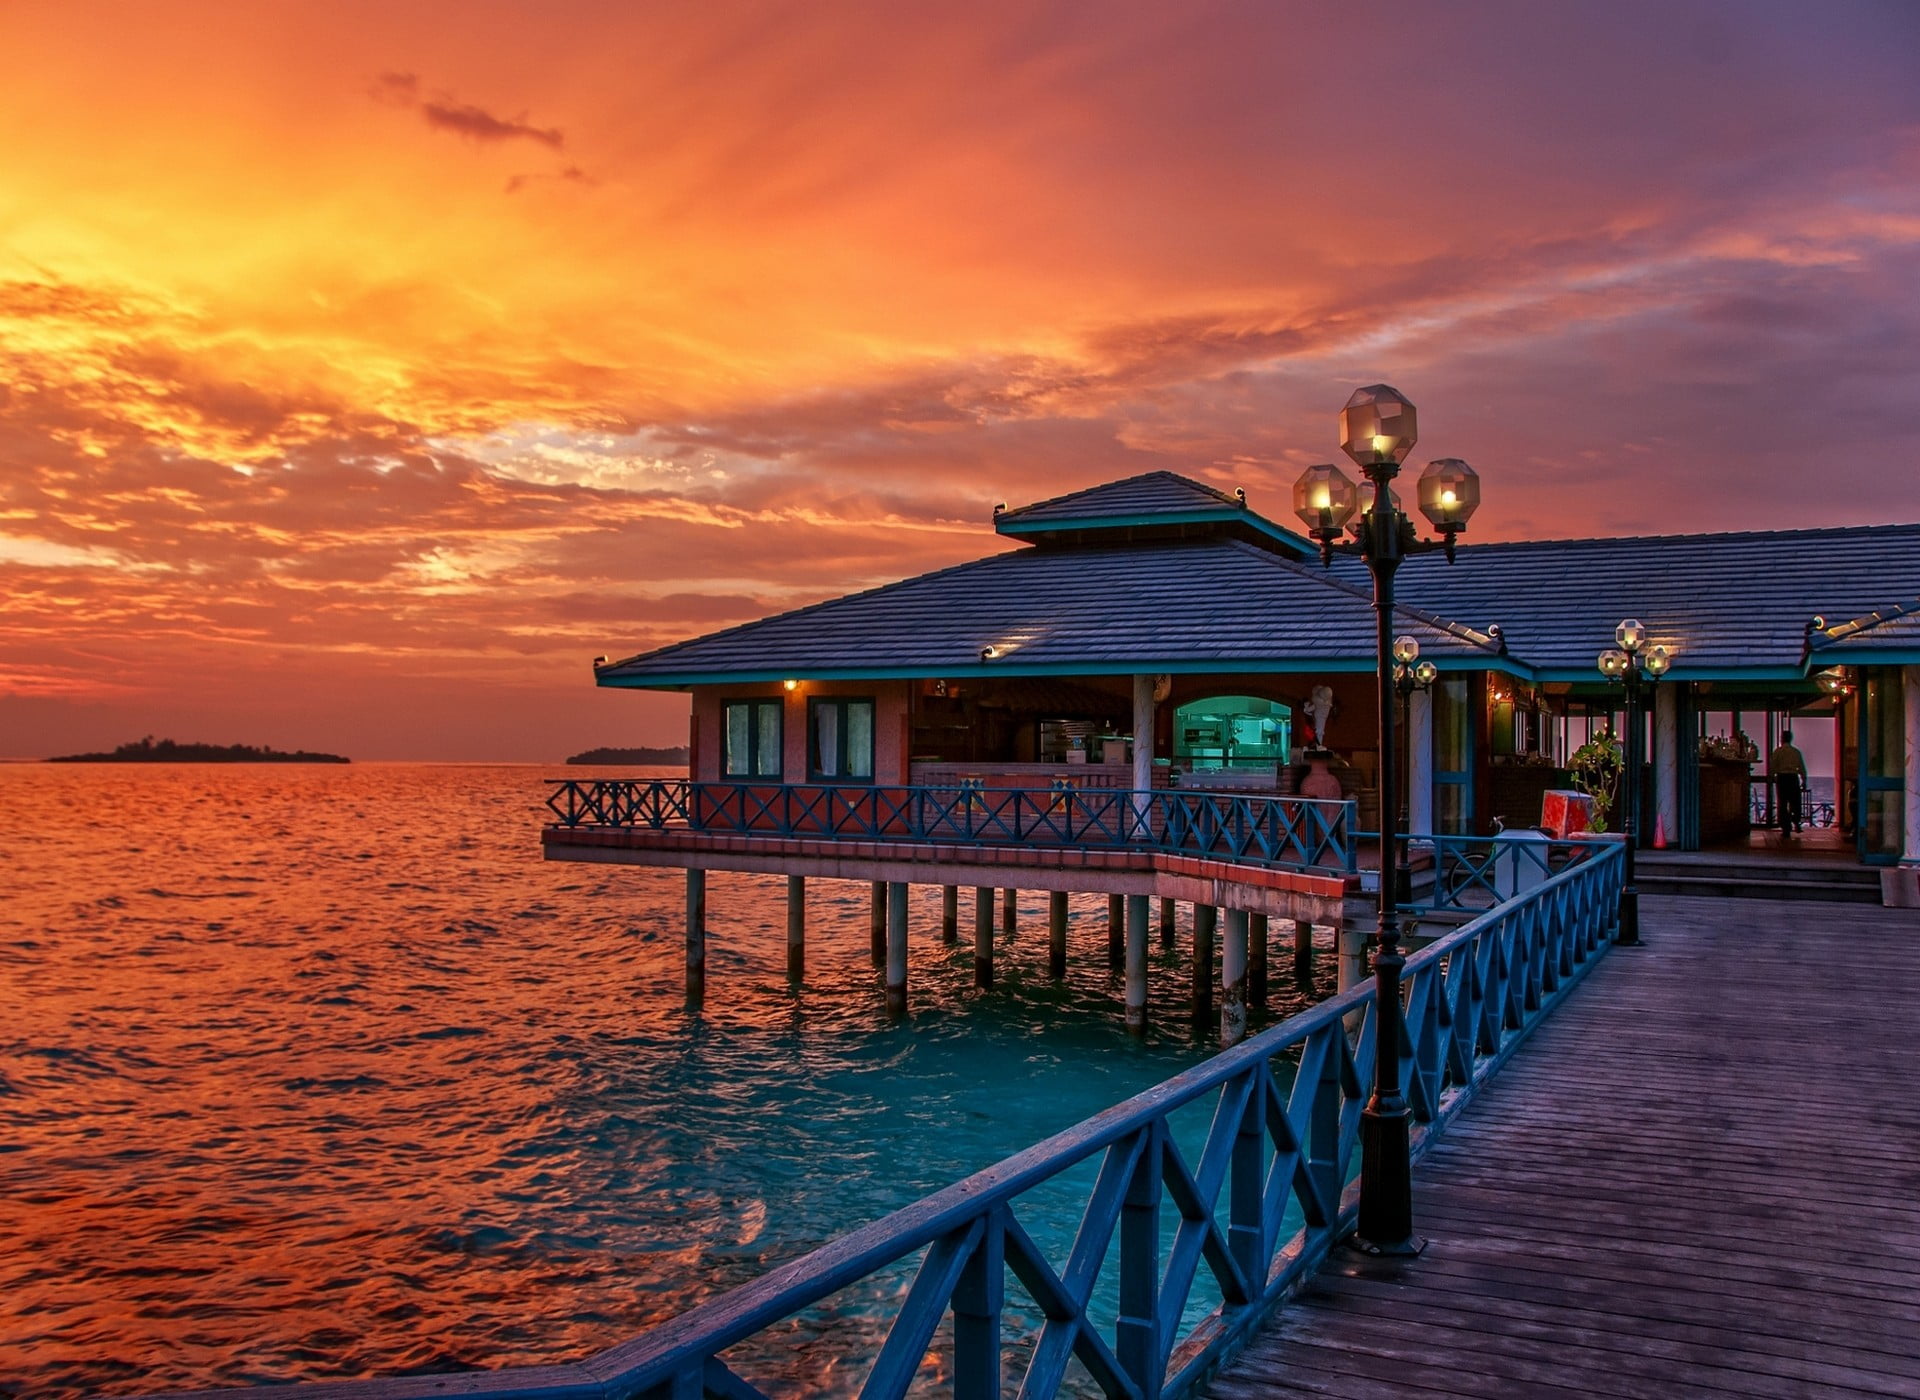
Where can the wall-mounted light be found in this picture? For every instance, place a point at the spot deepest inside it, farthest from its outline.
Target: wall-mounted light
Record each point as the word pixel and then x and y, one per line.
pixel 791 685
pixel 989 652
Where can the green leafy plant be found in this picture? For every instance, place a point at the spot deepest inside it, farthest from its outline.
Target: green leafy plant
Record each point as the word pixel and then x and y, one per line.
pixel 1597 766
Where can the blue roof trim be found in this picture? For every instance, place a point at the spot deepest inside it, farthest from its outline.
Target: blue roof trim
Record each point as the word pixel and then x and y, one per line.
pixel 1224 515
pixel 1270 667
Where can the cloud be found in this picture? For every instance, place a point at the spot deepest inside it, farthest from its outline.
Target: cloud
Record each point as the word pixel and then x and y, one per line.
pixel 444 112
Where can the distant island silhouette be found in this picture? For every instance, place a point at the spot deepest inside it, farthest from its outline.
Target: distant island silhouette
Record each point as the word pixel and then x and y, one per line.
pixel 661 757
pixel 150 750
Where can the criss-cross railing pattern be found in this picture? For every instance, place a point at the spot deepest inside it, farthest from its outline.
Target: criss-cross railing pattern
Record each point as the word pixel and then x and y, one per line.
pixel 1294 832
pixel 1471 873
pixel 1248 1206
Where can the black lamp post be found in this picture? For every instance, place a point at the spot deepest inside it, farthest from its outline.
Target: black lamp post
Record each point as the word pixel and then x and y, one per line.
pixel 1377 430
pixel 1638 667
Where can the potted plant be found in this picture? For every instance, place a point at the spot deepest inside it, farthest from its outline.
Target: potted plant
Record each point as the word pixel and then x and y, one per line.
pixel 1597 766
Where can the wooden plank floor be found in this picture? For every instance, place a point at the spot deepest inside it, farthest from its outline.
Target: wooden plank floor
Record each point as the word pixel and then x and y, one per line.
pixel 1700 1177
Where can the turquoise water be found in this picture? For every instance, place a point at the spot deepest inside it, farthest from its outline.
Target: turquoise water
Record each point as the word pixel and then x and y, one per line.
pixel 324 1073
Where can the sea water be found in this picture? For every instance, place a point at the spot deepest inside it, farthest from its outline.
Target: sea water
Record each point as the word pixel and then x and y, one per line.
pixel 318 1072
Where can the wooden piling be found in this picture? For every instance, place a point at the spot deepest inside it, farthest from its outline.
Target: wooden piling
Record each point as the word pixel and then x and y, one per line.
pixel 1257 960
pixel 877 923
pixel 1169 931
pixel 696 936
pixel 1009 911
pixel 1233 979
pixel 983 936
pixel 949 913
pixel 1137 964
pixel 1057 935
pixel 1303 952
pixel 796 927
pixel 897 949
pixel 1205 920
pixel 1352 945
pixel 1116 932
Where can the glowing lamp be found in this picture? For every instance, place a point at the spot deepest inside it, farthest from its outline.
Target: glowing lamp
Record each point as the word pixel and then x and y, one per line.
pixel 1833 680
pixel 1406 650
pixel 1658 661
pixel 1613 664
pixel 1325 498
pixel 1378 426
pixel 1426 673
pixel 791 685
pixel 1631 634
pixel 1449 493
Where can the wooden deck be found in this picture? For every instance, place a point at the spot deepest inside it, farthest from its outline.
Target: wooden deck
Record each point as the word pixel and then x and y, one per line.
pixel 1701 1177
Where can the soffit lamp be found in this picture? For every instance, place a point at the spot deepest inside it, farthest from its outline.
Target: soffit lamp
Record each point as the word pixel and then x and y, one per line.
pixel 1833 680
pixel 1378 426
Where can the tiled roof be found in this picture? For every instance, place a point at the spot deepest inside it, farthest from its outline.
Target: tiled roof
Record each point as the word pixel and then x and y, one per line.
pixel 1153 493
pixel 1894 628
pixel 1170 606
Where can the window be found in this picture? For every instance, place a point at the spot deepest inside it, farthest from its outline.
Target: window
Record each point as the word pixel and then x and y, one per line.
pixel 751 733
pixel 840 740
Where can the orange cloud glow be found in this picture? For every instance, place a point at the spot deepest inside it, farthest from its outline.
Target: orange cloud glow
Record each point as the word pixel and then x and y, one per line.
pixel 365 369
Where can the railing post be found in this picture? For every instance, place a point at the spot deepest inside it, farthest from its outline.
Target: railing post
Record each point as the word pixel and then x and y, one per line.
pixel 1137 1341
pixel 1248 1236
pixel 977 1302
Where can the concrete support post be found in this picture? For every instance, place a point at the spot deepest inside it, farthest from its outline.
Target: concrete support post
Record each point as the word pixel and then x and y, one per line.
pixel 1352 943
pixel 1303 952
pixel 983 936
pixel 1116 932
pixel 1910 799
pixel 1169 926
pixel 1057 935
pixel 1205 920
pixel 1233 980
pixel 877 923
pixel 1420 763
pixel 1257 960
pixel 796 927
pixel 1009 911
pixel 696 936
pixel 1666 762
pixel 1142 748
pixel 897 949
pixel 1137 964
pixel 949 913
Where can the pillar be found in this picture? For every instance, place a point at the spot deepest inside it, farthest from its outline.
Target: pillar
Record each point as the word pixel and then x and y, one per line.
pixel 983 936
pixel 1116 931
pixel 949 913
pixel 1666 761
pixel 1420 763
pixel 1303 952
pixel 877 923
pixel 1910 800
pixel 897 949
pixel 1057 934
pixel 1352 943
pixel 1169 930
pixel 696 936
pixel 1257 960
pixel 1143 749
pixel 1009 911
pixel 1205 919
pixel 1233 980
pixel 1137 964
pixel 796 927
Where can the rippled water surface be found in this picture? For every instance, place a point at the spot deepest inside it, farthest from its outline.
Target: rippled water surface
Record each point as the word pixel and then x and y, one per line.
pixel 322 1072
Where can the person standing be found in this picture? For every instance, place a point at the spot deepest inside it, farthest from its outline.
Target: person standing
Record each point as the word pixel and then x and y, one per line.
pixel 1789 770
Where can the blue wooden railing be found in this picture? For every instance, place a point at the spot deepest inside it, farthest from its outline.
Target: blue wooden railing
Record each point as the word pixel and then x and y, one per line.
pixel 1473 873
pixel 1294 832
pixel 1256 1204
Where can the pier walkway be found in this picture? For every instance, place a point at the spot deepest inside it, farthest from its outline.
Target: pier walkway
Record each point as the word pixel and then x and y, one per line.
pixel 1700 1177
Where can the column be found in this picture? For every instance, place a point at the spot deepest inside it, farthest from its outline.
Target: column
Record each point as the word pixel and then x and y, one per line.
pixel 1116 932
pixel 1352 943
pixel 1303 952
pixel 983 936
pixel 1142 746
pixel 1233 978
pixel 796 927
pixel 1666 762
pixel 696 936
pixel 949 913
pixel 877 923
pixel 1169 927
pixel 1257 960
pixel 1420 763
pixel 1205 919
pixel 1009 911
pixel 1137 964
pixel 1910 800
pixel 1057 935
pixel 897 949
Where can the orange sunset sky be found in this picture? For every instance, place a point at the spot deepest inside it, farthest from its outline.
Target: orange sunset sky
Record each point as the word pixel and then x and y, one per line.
pixel 369 368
